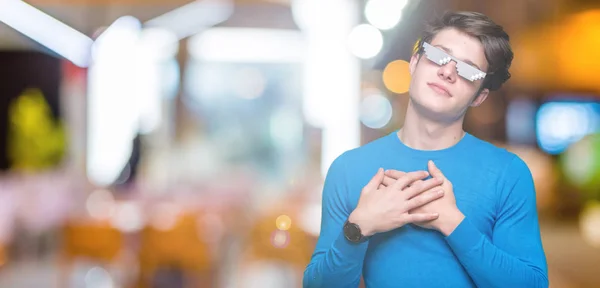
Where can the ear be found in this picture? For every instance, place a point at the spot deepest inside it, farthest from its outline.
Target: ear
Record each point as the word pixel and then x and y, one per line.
pixel 480 98
pixel 414 59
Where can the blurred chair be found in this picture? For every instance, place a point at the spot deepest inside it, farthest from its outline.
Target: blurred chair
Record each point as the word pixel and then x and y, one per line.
pixel 3 256
pixel 95 241
pixel 276 250
pixel 175 252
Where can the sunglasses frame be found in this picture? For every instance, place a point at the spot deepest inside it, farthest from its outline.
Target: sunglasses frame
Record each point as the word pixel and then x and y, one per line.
pixel 442 58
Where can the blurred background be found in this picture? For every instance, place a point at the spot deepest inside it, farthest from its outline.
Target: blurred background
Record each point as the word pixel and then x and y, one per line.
pixel 154 143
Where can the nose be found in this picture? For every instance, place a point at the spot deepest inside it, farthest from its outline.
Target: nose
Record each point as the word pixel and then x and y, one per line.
pixel 448 72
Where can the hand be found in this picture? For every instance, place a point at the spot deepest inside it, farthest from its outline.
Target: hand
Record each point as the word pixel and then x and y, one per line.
pixel 381 210
pixel 450 215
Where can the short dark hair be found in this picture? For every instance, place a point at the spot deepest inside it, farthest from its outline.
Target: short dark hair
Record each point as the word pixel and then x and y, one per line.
pixel 495 42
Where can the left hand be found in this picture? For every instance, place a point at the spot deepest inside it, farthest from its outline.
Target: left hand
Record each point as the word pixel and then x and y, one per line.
pixel 450 216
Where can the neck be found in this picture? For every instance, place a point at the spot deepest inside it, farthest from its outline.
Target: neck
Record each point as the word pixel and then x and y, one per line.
pixel 423 133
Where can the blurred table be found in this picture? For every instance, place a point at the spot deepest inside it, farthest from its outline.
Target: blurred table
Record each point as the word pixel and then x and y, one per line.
pixel 572 262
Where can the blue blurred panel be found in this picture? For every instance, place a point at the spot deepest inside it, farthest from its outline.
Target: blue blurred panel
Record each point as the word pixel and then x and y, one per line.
pixel 561 123
pixel 245 110
pixel 520 122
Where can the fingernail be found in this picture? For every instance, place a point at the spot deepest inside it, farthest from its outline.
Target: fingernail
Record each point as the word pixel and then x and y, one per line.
pixel 440 192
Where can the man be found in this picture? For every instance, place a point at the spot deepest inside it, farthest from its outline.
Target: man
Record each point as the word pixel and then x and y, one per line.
pixel 473 223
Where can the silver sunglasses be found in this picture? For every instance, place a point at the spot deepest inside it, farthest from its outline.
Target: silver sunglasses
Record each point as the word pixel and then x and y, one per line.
pixel 441 58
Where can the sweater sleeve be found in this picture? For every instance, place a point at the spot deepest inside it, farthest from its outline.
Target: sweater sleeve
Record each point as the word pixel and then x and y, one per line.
pixel 514 257
pixel 336 262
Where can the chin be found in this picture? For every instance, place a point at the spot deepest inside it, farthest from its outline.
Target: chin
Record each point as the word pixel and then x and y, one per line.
pixel 435 110
pixel 434 104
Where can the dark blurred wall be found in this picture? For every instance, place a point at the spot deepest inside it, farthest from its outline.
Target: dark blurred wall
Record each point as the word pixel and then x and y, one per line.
pixel 20 70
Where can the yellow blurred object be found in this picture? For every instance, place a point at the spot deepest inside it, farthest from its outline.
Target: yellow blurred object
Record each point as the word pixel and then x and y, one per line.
pixel 589 223
pixel 562 56
pixel 396 76
pixel 95 240
pixel 35 140
pixel 283 222
pixel 2 255
pixel 180 246
pixel 578 51
pixel 267 242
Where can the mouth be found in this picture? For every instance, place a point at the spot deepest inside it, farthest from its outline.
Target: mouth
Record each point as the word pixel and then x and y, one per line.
pixel 439 89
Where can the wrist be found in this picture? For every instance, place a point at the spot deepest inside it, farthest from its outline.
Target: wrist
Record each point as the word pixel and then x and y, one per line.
pixel 363 223
pixel 449 223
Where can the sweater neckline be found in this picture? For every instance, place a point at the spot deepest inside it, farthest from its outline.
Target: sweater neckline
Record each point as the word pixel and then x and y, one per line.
pixel 429 154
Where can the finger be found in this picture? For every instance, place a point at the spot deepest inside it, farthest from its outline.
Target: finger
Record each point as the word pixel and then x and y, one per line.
pixel 424 198
pixel 421 186
pixel 409 178
pixel 375 181
pixel 421 217
pixel 381 186
pixel 434 170
pixel 415 183
pixel 388 181
pixel 394 173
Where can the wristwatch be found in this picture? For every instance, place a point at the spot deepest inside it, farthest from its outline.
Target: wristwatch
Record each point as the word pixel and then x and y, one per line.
pixel 352 233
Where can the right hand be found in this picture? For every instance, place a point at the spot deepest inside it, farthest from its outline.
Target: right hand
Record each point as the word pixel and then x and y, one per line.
pixel 381 209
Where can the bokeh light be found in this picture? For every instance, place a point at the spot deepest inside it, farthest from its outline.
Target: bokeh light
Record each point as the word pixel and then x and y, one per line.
pixel 384 14
pixel 98 277
pixel 562 123
pixel 128 217
pixel 581 163
pixel 100 204
pixel 589 223
pixel 283 222
pixel 396 76
pixel 280 239
pixel 165 216
pixel 375 111
pixel 365 41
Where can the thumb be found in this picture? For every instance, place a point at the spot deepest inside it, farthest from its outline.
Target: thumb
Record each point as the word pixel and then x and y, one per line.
pixel 375 181
pixel 434 170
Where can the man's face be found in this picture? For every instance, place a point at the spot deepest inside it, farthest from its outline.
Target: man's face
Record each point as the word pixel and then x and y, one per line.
pixel 438 90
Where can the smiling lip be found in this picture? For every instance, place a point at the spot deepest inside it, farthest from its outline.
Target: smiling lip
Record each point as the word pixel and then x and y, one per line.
pixel 439 89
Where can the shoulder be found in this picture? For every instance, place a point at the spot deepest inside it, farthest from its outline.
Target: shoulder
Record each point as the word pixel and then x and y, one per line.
pixel 509 163
pixel 505 166
pixel 513 178
pixel 367 152
pixel 353 168
pixel 497 157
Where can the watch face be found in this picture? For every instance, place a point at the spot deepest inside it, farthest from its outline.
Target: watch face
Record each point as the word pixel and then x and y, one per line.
pixel 352 232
